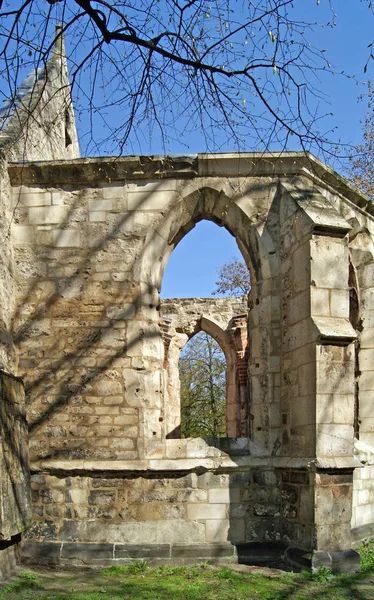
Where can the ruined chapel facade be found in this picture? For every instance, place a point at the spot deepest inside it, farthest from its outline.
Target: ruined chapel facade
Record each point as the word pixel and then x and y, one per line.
pixel 84 245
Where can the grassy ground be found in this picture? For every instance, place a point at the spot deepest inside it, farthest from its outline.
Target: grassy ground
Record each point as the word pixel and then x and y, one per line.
pixel 200 582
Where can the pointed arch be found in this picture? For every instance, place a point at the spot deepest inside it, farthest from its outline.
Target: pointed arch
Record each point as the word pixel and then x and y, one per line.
pixel 256 231
pixel 179 333
pixel 210 204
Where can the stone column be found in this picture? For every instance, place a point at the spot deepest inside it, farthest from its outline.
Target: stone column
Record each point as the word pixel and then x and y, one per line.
pixel 318 375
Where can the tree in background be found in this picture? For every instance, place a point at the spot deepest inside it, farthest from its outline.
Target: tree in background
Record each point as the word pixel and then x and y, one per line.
pixel 202 371
pixel 202 366
pixel 361 170
pixel 158 71
pixel 233 279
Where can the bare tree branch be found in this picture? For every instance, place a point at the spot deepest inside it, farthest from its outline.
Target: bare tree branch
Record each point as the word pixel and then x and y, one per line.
pixel 247 73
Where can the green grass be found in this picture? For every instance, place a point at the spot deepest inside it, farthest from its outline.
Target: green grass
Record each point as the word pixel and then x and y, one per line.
pixel 139 581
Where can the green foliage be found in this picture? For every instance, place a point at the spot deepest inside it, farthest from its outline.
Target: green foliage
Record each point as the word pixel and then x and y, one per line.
pixel 114 570
pixel 305 575
pixel 195 582
pixel 202 371
pixel 167 570
pixel 323 574
pixel 132 569
pixel 20 585
pixel 138 567
pixel 227 574
pixel 28 576
pixel 366 551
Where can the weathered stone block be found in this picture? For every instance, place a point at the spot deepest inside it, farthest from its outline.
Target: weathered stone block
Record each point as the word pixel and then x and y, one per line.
pixel 329 262
pixel 199 551
pixel 67 238
pixel 206 511
pixel 48 215
pixel 333 505
pixel 320 301
pixel 112 191
pixel 87 552
pixel 141 551
pixel 334 440
pixel 224 495
pixel 148 200
pixel 23 234
pixel 339 303
pixel 41 554
pixel 101 497
pixel 100 205
pixel 33 199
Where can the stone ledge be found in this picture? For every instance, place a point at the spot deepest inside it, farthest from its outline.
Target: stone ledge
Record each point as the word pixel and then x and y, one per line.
pixel 45 553
pixel 139 551
pixel 343 462
pixel 102 169
pixel 202 550
pixel 219 464
pixel 96 554
pixel 334 331
pixel 260 553
pixel 88 551
pixel 245 164
pixel 323 216
pixel 251 553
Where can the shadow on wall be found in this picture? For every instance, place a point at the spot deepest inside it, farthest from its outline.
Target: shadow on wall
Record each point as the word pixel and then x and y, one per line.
pixel 15 490
pixel 87 321
pixel 87 324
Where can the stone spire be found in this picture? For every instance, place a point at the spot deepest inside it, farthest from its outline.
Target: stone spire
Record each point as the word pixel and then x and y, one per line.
pixel 39 122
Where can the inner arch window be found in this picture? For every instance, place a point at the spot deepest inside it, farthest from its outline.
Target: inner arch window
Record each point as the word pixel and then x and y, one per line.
pixel 205 338
pixel 202 373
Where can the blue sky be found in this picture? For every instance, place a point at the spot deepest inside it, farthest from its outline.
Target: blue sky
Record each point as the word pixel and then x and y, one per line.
pixel 192 268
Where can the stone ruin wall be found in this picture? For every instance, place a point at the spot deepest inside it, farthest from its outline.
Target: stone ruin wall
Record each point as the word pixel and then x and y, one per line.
pixel 90 240
pixel 84 244
pixel 15 496
pixel 7 291
pixel 87 320
pixel 40 125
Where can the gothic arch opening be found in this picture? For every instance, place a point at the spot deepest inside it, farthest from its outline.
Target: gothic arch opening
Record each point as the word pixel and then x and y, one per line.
pixel 208 204
pixel 256 237
pixel 202 374
pixel 176 333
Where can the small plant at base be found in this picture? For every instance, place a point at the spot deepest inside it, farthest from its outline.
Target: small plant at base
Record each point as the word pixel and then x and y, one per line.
pixel 138 567
pixel 366 552
pixel 170 570
pixel 195 570
pixel 115 570
pixel 323 574
pixel 29 576
pixel 225 573
pixel 305 575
